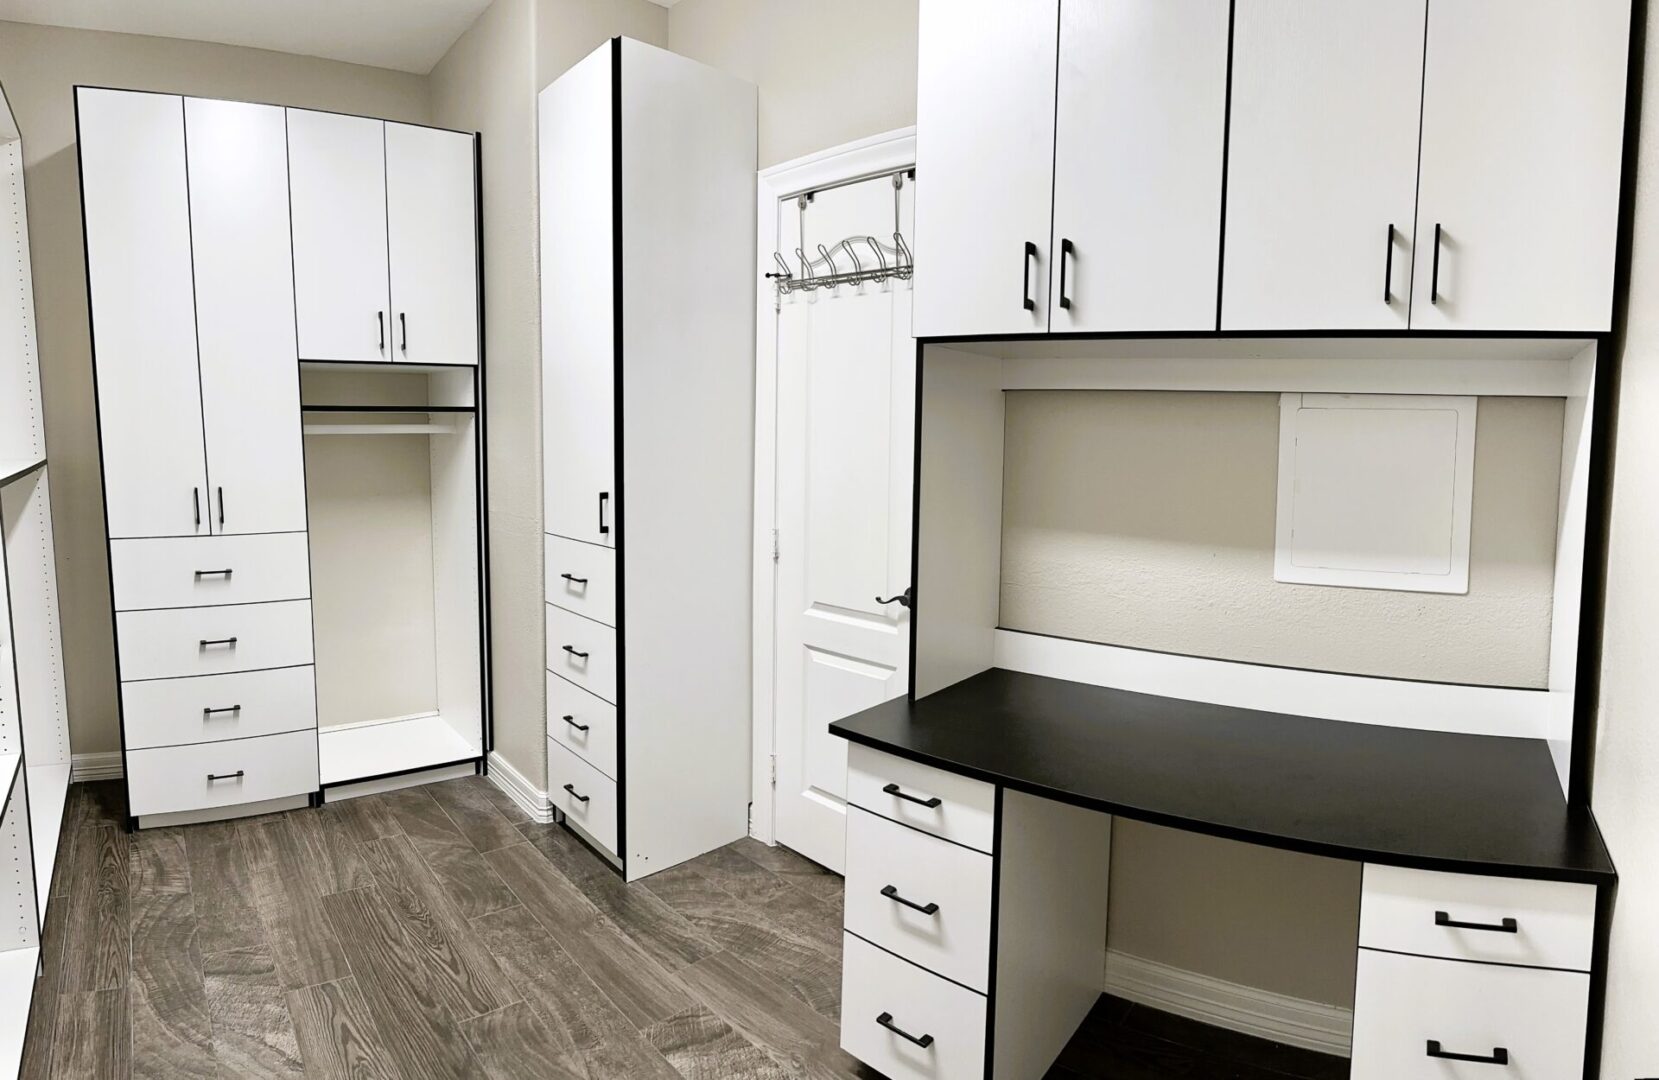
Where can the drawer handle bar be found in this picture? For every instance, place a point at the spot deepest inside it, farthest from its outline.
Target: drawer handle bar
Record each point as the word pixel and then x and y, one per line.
pixel 892 893
pixel 237 775
pixel 893 790
pixel 1508 926
pixel 229 708
pixel 1498 1056
pixel 574 580
pixel 212 573
pixel 574 651
pixel 573 791
pixel 230 641
pixel 886 1021
pixel 571 720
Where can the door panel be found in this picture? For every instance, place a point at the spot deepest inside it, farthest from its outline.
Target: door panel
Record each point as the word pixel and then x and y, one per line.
pixel 143 312
pixel 434 248
pixel 1137 176
pixel 337 172
pixel 1322 160
pixel 985 151
pixel 238 156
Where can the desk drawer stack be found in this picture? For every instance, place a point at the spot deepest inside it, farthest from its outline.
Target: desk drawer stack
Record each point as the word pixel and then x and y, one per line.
pixel 582 735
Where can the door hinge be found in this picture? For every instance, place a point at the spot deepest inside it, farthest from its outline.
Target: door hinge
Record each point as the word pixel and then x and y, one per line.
pixel 774 545
pixel 774 770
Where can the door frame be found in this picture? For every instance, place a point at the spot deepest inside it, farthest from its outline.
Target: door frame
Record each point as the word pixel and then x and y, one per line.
pixel 860 159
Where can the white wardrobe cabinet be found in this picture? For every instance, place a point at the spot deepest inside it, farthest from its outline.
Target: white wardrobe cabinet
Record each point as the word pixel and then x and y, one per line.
pixel 432 240
pixel 1523 131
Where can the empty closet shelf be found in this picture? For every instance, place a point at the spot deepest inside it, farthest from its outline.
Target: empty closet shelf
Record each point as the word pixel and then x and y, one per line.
pixel 17 468
pixel 407 410
pixel 384 748
pixel 370 427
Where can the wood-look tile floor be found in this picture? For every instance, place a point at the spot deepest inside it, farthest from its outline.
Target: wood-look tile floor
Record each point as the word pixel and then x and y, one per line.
pixel 437 932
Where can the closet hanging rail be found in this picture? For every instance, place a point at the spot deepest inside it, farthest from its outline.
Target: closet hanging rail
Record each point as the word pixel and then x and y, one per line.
pixel 841 265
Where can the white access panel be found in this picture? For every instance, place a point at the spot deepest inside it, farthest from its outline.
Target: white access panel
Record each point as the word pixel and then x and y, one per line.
pixel 1322 160
pixel 1523 138
pixel 985 153
pixel 337 179
pixel 1142 111
pixel 431 210
pixel 238 157
pixel 137 215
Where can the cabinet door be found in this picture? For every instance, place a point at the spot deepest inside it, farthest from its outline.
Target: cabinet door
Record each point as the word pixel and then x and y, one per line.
pixel 337 177
pixel 985 166
pixel 430 213
pixel 1142 109
pixel 238 156
pixel 1322 164
pixel 137 217
pixel 578 337
pixel 1523 132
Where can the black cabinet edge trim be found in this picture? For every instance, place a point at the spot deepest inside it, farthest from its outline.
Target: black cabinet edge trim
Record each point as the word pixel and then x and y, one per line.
pixel 923 967
pixel 476 760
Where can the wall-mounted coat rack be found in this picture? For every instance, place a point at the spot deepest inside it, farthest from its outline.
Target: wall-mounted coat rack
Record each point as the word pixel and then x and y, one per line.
pixel 825 272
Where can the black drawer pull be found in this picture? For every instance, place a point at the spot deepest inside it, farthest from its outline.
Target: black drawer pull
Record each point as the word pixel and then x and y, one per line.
pixel 886 1021
pixel 579 797
pixel 230 641
pixel 892 893
pixel 571 720
pixel 604 497
pixel 932 804
pixel 574 651
pixel 1498 1056
pixel 574 580
pixel 212 573
pixel 1507 926
pixel 237 775
pixel 234 709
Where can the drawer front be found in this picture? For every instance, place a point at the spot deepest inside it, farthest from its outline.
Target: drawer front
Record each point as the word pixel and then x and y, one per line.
pixel 582 651
pixel 1403 1003
pixel 876 985
pixel 887 865
pixel 925 798
pixel 168 779
pixel 586 795
pixel 213 708
pixel 204 571
pixel 1415 911
pixel 244 637
pixel 581 578
pixel 583 724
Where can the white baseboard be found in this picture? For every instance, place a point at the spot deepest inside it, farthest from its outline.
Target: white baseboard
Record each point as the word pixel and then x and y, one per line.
pixel 525 795
pixel 1307 1024
pixel 105 766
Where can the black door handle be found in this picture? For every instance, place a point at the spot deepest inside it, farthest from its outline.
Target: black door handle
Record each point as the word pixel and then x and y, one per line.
pixel 892 893
pixel 902 599
pixel 574 580
pixel 893 790
pixel 575 794
pixel 237 775
pixel 403 325
pixel 571 720
pixel 1507 926
pixel 1388 268
pixel 604 497
pixel 229 708
pixel 1066 250
pixel 1498 1056
pixel 1434 280
pixel 572 650
pixel 230 641
pixel 225 573
pixel 196 503
pixel 380 317
pixel 1025 276
pixel 221 508
pixel 886 1021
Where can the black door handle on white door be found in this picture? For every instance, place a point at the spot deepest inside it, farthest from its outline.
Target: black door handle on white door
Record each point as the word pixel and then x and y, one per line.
pixel 196 502
pixel 403 324
pixel 380 317
pixel 1388 268
pixel 1498 1056
pixel 221 508
pixel 1066 250
pixel 1025 276
pixel 901 599
pixel 1434 279
pixel 604 498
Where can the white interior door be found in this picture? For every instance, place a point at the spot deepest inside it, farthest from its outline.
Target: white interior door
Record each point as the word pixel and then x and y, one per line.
pixel 1322 164
pixel 337 172
pixel 846 420
pixel 238 156
pixel 137 210
pixel 431 215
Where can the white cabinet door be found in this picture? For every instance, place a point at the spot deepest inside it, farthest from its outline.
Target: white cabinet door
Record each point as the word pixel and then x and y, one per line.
pixel 1142 109
pixel 238 155
pixel 337 176
pixel 1322 164
pixel 1523 133
pixel 137 214
pixel 430 213
pixel 985 166
pixel 578 338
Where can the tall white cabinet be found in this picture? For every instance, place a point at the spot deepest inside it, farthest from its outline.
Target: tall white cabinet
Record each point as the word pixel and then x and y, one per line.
pixel 647 218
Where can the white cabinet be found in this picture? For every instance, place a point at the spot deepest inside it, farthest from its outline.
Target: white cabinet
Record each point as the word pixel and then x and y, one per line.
pixel 1523 134
pixel 985 166
pixel 1322 164
pixel 432 238
pixel 1142 104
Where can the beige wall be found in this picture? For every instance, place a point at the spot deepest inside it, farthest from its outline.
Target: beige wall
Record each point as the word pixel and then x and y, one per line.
pixel 39 65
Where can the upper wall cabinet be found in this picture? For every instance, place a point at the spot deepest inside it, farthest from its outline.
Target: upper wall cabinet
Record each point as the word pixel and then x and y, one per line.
pixel 1523 130
pixel 384 240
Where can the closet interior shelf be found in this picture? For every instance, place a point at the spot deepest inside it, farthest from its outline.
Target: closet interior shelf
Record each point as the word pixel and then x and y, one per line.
pixel 407 409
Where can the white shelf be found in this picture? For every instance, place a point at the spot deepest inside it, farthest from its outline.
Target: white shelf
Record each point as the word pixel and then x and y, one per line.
pixel 18 968
pixel 360 751
pixel 16 468
pixel 48 795
pixel 379 429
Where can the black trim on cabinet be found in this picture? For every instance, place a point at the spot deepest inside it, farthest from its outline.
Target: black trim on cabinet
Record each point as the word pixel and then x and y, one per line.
pixel 916 523
pixel 619 533
pixel 996 935
pixel 475 762
pixel 405 409
pixel 480 395
pixel 1226 153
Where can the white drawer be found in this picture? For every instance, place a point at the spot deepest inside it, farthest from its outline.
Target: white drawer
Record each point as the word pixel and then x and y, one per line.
pixel 892 870
pixel 582 723
pixel 583 651
pixel 212 708
pixel 167 779
pixel 1405 1006
pixel 925 798
pixel 581 578
pixel 244 637
pixel 1416 911
pixel 199 571
pixel 586 795
pixel 877 986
